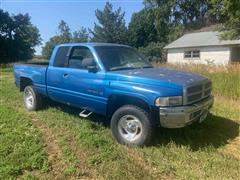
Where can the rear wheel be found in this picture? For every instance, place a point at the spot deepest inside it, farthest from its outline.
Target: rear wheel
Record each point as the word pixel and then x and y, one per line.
pixel 32 100
pixel 131 126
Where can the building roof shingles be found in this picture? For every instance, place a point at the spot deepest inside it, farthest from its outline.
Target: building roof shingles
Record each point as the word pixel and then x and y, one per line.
pixel 200 39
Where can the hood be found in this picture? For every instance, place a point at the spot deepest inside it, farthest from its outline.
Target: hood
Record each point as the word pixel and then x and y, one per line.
pixel 166 75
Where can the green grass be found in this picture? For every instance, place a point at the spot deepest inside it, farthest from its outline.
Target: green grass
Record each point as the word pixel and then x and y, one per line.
pixel 87 150
pixel 21 148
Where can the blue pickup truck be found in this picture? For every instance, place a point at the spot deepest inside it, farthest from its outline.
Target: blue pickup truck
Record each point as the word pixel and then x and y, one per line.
pixel 116 81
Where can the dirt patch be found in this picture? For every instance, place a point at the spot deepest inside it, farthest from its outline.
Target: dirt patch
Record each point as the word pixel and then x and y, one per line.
pixel 58 166
pixel 138 159
pixel 83 156
pixel 55 156
pixel 52 148
pixel 232 149
pixel 3 76
pixel 51 145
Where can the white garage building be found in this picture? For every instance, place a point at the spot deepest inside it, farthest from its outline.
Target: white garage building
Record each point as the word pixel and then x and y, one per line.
pixel 203 47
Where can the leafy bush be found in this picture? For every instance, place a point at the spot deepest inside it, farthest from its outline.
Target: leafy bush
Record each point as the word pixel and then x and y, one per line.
pixel 154 51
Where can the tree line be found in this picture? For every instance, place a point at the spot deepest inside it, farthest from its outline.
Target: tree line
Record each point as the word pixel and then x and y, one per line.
pixel 18 37
pixel 149 30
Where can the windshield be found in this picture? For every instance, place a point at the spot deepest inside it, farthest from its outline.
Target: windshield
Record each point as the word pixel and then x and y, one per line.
pixel 121 57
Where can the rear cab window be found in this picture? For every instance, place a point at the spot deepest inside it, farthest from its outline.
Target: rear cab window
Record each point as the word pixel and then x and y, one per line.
pixel 61 59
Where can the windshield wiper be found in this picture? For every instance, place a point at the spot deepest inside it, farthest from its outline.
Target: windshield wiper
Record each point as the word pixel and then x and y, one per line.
pixel 126 68
pixel 121 68
pixel 147 67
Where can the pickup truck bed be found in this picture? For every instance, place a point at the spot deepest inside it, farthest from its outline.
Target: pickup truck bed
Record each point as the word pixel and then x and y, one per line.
pixel 36 71
pixel 37 62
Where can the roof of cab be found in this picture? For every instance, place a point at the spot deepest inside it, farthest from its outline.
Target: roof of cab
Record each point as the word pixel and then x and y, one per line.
pixel 91 44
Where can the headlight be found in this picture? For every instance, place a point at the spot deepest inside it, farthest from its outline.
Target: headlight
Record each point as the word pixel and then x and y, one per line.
pixel 169 101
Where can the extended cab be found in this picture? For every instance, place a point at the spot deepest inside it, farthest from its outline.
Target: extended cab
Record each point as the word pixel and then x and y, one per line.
pixel 116 81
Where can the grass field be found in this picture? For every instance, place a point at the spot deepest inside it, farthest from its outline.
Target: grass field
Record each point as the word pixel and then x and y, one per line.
pixel 55 143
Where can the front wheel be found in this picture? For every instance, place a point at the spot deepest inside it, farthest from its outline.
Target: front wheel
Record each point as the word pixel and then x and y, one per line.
pixel 131 126
pixel 32 100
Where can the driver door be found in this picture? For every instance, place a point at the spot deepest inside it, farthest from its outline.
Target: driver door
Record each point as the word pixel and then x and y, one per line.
pixel 84 88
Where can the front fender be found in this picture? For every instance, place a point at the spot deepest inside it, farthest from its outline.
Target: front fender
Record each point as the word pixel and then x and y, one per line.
pixel 147 93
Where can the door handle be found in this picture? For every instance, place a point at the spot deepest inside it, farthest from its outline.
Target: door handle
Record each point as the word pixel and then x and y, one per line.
pixel 65 75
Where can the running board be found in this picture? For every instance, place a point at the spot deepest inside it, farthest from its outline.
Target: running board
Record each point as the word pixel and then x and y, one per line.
pixel 85 113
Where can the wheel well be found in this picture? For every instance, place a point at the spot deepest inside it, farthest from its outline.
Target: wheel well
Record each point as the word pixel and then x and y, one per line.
pixel 25 82
pixel 116 101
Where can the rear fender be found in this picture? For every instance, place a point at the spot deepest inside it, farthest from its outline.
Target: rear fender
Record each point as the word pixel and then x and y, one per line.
pixel 24 81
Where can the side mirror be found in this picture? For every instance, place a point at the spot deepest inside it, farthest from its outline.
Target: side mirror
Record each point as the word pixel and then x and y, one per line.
pixel 92 69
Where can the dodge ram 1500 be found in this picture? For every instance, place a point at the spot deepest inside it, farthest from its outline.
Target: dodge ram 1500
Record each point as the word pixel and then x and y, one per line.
pixel 116 81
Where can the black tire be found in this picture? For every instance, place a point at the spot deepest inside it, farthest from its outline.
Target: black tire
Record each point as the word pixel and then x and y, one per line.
pixel 146 133
pixel 36 99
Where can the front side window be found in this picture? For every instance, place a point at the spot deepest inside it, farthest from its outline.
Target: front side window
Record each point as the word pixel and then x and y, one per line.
pixel 78 56
pixel 121 57
pixel 191 54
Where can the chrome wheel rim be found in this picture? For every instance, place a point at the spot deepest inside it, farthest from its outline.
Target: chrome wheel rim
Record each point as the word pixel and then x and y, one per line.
pixel 130 127
pixel 28 98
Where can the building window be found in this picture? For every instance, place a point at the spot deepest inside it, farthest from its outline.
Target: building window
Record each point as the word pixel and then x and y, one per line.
pixel 192 54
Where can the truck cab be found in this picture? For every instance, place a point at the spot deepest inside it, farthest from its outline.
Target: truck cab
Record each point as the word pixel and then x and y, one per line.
pixel 116 81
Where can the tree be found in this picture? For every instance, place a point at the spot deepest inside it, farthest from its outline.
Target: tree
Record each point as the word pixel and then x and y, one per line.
pixel 149 29
pixel 111 27
pixel 163 21
pixel 142 29
pixel 214 12
pixel 18 37
pixel 231 27
pixel 153 51
pixel 190 13
pixel 64 35
pixel 26 37
pixel 6 26
pixel 194 14
pixel 80 36
pixel 64 31
pixel 49 45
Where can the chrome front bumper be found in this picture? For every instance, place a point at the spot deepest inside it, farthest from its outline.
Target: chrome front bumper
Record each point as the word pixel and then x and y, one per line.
pixel 177 117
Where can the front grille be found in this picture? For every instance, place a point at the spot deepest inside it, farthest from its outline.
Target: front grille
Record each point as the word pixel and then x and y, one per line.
pixel 197 92
pixel 194 89
pixel 191 98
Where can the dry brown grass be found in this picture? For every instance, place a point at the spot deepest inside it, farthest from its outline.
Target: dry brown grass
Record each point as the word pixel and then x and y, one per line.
pixel 203 68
